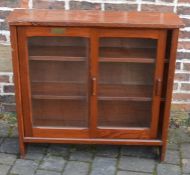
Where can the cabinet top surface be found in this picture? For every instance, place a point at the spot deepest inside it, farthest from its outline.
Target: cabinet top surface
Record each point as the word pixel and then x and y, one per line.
pixel 89 18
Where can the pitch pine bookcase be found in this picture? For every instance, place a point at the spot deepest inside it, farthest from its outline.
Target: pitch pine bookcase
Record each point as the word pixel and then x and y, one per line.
pixel 93 77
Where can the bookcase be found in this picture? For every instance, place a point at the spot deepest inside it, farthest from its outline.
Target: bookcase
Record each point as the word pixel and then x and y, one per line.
pixel 93 77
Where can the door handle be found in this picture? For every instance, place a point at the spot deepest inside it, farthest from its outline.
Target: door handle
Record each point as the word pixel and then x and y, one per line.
pixel 158 87
pixel 94 86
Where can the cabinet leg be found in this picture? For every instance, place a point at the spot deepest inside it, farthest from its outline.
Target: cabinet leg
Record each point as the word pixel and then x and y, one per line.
pixel 162 153
pixel 22 150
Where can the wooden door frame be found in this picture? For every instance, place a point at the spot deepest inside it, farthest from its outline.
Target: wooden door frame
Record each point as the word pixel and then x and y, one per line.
pixel 128 132
pixel 29 130
pixel 158 78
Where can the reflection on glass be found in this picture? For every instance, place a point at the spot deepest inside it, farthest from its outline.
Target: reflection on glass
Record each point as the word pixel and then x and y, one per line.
pixel 125 87
pixel 59 81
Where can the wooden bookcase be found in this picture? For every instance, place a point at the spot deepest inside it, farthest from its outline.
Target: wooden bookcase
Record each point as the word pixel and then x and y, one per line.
pixel 93 77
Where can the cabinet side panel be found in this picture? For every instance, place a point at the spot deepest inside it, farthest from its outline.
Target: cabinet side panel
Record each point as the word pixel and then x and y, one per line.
pixel 16 70
pixel 24 79
pixel 164 85
pixel 174 42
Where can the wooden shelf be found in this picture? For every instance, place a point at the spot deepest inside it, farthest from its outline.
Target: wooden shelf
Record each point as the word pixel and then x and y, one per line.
pixel 57 53
pixel 56 58
pixel 125 98
pixel 68 53
pixel 76 91
pixel 137 99
pixel 119 123
pixel 141 55
pixel 56 97
pixel 125 90
pixel 130 60
pixel 59 123
pixel 59 88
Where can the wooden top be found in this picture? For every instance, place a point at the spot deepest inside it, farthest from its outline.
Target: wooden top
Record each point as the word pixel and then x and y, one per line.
pixel 94 18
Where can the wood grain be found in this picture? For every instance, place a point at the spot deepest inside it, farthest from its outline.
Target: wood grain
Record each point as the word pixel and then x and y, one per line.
pixel 40 17
pixel 17 82
pixel 161 48
pixel 94 141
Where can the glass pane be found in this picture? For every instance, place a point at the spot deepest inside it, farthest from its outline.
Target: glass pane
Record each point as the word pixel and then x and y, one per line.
pixel 68 113
pixel 124 113
pixel 59 81
pixel 126 78
pixel 131 49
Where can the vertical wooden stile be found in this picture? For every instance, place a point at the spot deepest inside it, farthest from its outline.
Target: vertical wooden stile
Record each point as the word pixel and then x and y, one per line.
pixel 24 78
pixel 94 53
pixel 172 63
pixel 159 68
pixel 17 83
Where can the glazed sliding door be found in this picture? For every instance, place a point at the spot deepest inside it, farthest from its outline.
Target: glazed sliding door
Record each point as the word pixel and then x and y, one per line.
pixel 129 80
pixel 56 94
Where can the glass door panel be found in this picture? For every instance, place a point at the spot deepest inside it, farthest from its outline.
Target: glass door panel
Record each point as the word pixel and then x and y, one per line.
pixel 118 113
pixel 59 113
pixel 58 68
pixel 126 79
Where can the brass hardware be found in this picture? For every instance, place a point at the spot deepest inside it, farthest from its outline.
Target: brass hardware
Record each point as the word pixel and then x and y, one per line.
pixel 58 31
pixel 94 86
